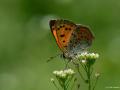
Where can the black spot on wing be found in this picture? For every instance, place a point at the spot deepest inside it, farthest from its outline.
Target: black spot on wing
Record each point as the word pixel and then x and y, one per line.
pixel 63 41
pixel 58 28
pixel 61 26
pixel 65 46
pixel 66 28
pixel 62 35
pixel 69 29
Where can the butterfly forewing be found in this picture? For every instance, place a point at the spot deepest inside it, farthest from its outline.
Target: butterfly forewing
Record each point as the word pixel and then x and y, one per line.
pixel 52 24
pixel 62 30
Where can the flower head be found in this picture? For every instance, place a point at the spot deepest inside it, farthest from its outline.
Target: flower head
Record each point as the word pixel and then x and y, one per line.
pixel 86 55
pixel 88 58
pixel 63 73
pixel 64 77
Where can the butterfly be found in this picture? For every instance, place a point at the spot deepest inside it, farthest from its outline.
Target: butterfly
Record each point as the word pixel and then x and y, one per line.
pixel 71 38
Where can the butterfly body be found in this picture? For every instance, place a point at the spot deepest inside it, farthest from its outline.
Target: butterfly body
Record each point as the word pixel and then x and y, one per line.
pixel 71 38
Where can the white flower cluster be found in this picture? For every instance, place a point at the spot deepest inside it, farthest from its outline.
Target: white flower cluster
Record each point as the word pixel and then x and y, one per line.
pixel 64 73
pixel 86 55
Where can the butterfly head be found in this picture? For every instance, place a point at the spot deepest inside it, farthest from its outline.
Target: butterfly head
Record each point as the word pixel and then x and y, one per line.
pixel 52 23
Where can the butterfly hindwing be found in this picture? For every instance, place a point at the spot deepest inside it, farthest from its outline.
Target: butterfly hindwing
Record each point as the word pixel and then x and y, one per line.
pixel 84 34
pixel 81 39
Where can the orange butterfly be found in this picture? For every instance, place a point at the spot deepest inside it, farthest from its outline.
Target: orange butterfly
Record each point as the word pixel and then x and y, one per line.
pixel 71 38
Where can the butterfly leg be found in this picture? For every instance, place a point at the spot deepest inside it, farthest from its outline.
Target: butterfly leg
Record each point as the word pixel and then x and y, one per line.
pixel 67 63
pixel 66 60
pixel 52 57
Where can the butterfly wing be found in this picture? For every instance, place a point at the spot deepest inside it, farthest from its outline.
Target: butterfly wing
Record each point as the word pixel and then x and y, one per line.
pixel 84 35
pixel 62 30
pixel 80 40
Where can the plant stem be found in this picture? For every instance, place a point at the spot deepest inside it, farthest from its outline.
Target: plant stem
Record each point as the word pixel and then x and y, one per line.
pixel 55 85
pixel 77 67
pixel 89 77
pixel 81 74
pixel 64 87
pixel 95 83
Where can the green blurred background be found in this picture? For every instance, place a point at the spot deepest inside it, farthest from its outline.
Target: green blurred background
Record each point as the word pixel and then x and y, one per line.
pixel 26 41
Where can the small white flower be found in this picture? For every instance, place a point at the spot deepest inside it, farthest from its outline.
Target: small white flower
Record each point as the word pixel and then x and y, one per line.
pixel 63 75
pixel 88 55
pixel 60 72
pixel 97 75
pixel 97 55
pixel 84 54
pixel 55 72
pixel 52 80
pixel 69 71
pixel 84 61
pixel 94 56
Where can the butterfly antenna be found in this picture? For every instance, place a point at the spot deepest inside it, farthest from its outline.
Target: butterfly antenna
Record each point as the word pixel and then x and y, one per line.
pixel 51 58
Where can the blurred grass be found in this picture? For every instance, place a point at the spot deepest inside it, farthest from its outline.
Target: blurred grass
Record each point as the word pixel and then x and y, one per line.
pixel 26 41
